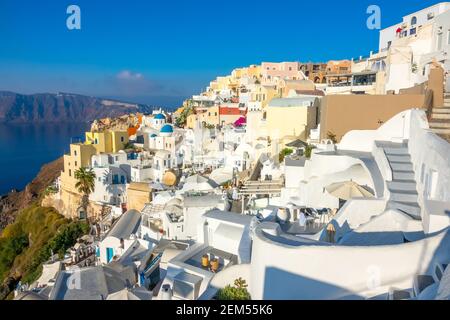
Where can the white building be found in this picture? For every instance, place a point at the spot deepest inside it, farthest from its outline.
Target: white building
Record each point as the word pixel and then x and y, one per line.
pixel 162 162
pixel 225 237
pixel 393 246
pixel 113 172
pixel 412 45
pixel 121 236
pixel 411 24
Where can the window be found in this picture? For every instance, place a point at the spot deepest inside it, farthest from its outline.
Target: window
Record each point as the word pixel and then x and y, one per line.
pixel 412 31
pixel 433 184
pixel 122 139
pixel 76 163
pixel 70 172
pixel 413 21
pixel 75 153
pixel 439 41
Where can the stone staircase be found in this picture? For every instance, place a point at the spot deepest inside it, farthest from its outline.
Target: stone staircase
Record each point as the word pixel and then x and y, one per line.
pixel 403 188
pixel 421 282
pixel 440 119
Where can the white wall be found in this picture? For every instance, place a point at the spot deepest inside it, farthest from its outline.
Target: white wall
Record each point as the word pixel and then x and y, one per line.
pixel 107 192
pixel 353 214
pixel 395 129
pixel 291 270
pixel 430 155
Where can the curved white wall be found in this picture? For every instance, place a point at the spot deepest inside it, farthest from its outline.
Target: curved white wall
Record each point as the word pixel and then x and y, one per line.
pixel 430 155
pixel 355 213
pixel 317 271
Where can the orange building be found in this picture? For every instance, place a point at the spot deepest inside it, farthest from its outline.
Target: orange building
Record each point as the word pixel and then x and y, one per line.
pixel 339 67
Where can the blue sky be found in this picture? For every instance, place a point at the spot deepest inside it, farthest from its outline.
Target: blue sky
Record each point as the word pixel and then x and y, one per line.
pixel 160 52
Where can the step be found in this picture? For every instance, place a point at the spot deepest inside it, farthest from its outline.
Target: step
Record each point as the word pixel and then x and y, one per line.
pixel 382 296
pixel 400 295
pixel 401 166
pixel 439 124
pixel 440 116
pixel 439 270
pixel 403 175
pixel 396 151
pixel 441 110
pixel 421 282
pixel 405 158
pixel 404 196
pixel 441 131
pixel 410 208
pixel 403 185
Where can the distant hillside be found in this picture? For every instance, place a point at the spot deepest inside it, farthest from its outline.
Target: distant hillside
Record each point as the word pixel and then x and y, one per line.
pixel 61 107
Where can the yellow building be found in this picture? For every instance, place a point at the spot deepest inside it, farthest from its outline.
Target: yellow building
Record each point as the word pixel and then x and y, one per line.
pixel 80 156
pixel 291 117
pixel 138 194
pixel 191 121
pixel 238 73
pixel 287 85
pixel 264 94
pixel 81 153
pixel 107 141
pixel 252 71
pixel 210 117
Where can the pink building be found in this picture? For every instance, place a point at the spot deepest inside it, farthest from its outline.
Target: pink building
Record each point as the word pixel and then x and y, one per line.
pixel 272 72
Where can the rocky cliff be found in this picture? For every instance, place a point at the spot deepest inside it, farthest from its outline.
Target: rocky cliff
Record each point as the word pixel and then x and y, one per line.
pixel 13 202
pixel 61 107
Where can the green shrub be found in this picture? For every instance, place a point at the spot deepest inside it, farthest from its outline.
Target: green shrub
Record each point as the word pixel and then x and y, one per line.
pixel 59 244
pixel 182 118
pixel 237 292
pixel 331 136
pixel 285 152
pixel 10 248
pixel 27 243
pixel 308 151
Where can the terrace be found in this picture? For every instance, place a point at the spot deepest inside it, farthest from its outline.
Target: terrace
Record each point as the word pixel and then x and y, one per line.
pixel 212 260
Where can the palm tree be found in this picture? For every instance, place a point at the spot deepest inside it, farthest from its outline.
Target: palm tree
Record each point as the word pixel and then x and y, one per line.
pixel 85 184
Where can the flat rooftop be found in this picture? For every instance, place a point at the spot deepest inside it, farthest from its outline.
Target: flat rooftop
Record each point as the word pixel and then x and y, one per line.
pixel 225 259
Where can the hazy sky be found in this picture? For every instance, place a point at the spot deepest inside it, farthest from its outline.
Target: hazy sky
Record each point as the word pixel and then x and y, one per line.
pixel 160 52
